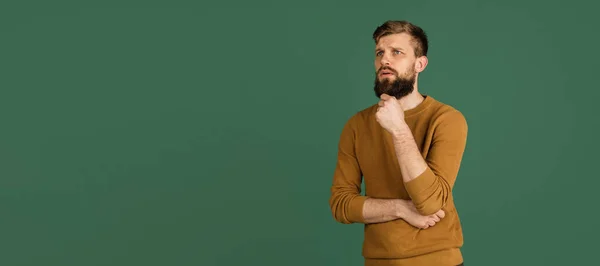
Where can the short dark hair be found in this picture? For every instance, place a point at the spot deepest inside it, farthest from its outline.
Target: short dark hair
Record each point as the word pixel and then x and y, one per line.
pixel 420 43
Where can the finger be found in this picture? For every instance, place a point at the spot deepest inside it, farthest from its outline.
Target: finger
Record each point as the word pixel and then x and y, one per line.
pixel 435 218
pixel 441 214
pixel 430 223
pixel 381 103
pixel 384 96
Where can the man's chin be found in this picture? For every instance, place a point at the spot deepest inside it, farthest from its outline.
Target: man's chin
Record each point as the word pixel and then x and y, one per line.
pixel 386 79
pixel 379 93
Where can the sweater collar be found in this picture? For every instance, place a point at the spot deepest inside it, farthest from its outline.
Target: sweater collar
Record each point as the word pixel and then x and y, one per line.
pixel 427 101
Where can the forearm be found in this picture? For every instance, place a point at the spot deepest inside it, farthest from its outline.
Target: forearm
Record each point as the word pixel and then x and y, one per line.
pixel 429 180
pixel 383 210
pixel 412 165
pixel 409 158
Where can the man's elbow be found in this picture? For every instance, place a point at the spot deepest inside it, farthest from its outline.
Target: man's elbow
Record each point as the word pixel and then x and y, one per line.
pixel 341 219
pixel 338 211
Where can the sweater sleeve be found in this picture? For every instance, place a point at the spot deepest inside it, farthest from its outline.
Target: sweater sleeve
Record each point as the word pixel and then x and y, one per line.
pixel 346 202
pixel 431 189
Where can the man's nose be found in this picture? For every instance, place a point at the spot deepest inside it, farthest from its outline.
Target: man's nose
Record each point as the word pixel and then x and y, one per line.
pixel 385 61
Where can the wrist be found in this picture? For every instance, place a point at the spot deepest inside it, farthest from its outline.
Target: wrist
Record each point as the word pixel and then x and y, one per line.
pixel 401 131
pixel 401 209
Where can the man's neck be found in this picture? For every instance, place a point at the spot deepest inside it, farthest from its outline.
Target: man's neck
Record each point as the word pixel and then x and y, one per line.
pixel 411 101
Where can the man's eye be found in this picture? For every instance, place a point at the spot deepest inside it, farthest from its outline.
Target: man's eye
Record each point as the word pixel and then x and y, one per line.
pixel 396 52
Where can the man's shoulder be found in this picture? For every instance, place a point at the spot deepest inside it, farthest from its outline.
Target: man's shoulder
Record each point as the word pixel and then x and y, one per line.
pixel 368 111
pixel 362 115
pixel 444 111
pixel 446 114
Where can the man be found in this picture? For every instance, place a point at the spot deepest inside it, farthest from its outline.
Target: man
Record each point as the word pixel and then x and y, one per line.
pixel 408 147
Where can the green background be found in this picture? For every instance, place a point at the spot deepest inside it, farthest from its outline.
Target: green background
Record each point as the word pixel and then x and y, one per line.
pixel 206 134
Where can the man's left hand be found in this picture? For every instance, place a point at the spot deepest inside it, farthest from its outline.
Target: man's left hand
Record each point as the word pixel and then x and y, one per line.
pixel 390 114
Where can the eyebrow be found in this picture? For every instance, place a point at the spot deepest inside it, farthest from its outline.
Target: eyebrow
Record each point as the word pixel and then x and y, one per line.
pixel 395 48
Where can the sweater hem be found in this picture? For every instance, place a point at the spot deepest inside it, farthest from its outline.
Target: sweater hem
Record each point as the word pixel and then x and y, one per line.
pixel 446 257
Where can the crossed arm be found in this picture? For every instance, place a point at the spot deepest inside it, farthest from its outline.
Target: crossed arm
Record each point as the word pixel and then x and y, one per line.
pixel 428 181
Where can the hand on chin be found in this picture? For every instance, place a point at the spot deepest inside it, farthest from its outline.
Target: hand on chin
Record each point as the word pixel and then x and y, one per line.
pixel 390 114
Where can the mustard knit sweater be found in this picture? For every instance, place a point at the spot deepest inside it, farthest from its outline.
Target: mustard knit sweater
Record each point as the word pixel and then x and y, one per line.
pixel 366 152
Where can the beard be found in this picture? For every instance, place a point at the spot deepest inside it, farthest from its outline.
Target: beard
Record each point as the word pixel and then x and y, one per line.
pixel 398 87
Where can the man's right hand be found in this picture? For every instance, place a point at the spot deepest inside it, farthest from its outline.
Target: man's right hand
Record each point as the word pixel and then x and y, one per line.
pixel 413 217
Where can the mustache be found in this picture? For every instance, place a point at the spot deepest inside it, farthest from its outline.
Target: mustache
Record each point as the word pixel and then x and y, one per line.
pixel 387 68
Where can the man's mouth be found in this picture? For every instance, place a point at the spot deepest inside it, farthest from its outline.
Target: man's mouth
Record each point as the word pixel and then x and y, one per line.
pixel 386 72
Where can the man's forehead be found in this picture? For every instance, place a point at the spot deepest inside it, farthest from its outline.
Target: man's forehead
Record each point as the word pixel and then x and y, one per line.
pixel 400 40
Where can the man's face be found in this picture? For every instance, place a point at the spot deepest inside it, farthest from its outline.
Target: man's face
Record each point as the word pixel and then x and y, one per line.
pixel 395 65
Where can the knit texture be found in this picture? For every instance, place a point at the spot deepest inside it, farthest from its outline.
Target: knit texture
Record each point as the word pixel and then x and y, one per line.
pixel 366 153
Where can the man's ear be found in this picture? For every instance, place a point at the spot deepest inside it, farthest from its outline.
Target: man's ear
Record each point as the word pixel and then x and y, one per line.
pixel 421 63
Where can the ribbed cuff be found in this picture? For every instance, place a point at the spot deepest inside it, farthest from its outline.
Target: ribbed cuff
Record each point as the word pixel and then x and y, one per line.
pixel 421 189
pixel 355 209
